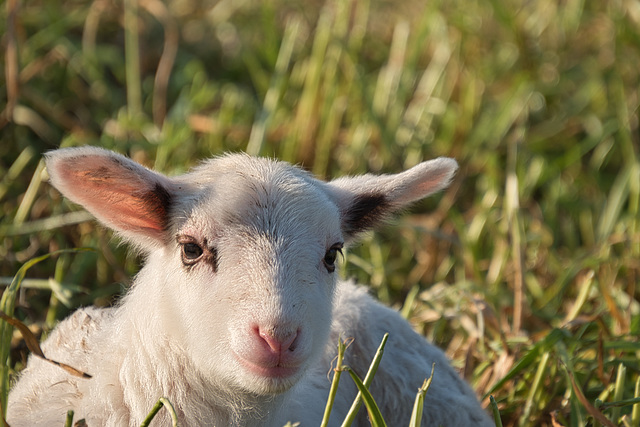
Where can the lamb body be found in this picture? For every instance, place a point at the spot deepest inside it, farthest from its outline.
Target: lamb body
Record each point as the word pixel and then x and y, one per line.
pixel 236 313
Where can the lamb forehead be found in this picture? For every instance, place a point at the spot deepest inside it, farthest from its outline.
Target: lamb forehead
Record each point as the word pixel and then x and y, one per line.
pixel 233 167
pixel 241 189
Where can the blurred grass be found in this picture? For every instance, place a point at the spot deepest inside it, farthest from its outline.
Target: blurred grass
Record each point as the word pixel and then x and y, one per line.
pixel 525 270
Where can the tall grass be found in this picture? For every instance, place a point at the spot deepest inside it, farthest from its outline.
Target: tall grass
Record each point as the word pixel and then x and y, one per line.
pixel 525 270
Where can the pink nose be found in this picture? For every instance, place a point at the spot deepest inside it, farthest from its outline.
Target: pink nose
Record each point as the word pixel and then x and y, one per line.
pixel 277 343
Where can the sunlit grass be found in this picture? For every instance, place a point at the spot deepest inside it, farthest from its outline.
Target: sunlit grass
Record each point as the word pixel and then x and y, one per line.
pixel 525 270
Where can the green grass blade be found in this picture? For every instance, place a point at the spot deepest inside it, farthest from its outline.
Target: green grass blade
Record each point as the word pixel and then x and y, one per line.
pixel 495 411
pixel 535 388
pixel 615 202
pixel 355 407
pixel 375 417
pixel 163 401
pixel 69 421
pixel 635 411
pixel 30 195
pixel 619 403
pixel 16 169
pixel 132 55
pixel 334 383
pixel 416 414
pixel 585 283
pixel 618 391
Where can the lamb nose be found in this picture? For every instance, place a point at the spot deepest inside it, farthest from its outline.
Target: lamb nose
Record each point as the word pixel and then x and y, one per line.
pixel 278 343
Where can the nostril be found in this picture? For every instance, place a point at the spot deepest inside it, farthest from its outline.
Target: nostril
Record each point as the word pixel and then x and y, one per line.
pixel 292 343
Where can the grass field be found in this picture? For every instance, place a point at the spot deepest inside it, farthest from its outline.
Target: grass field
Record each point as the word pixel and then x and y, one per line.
pixel 526 270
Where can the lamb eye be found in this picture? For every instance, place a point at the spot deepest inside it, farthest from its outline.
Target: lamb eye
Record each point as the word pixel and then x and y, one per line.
pixel 330 257
pixel 191 252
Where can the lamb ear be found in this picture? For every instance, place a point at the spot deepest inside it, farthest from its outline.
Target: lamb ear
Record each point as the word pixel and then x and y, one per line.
pixel 122 194
pixel 366 200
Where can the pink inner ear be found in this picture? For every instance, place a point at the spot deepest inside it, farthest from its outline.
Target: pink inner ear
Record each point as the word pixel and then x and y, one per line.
pixel 424 180
pixel 434 183
pixel 120 193
pixel 127 208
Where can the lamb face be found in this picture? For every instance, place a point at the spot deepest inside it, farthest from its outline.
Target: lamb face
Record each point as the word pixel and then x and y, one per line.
pixel 252 275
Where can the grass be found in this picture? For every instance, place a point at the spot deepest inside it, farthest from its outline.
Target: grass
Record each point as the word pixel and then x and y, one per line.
pixel 525 270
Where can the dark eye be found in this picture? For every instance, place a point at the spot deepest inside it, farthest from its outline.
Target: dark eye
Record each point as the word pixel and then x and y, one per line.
pixel 191 252
pixel 330 257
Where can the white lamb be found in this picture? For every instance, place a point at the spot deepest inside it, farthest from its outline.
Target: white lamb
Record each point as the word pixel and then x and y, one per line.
pixel 236 314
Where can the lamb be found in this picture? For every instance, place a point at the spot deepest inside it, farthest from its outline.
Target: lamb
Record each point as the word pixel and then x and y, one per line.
pixel 235 316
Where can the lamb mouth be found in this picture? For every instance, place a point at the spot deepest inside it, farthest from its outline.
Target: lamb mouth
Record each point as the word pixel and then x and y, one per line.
pixel 277 371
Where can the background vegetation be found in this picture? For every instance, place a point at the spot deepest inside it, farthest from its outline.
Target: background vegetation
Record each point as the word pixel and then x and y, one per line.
pixel 525 270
